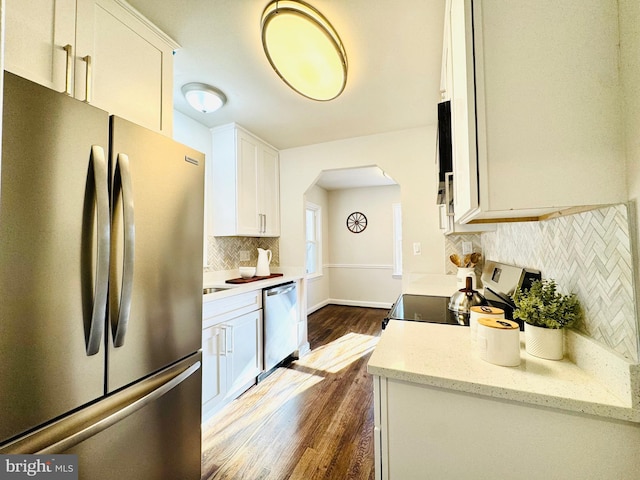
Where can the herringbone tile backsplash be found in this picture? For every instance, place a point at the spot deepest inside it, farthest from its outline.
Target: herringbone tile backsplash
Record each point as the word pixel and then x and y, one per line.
pixel 589 254
pixel 223 253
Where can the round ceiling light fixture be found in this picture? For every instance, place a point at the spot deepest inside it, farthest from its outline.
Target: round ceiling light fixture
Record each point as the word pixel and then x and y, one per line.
pixel 202 97
pixel 304 49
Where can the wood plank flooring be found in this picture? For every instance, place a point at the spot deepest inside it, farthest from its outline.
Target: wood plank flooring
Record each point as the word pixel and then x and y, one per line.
pixel 310 420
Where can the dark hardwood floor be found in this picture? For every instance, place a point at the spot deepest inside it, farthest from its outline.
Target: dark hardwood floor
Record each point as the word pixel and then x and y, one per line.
pixel 310 420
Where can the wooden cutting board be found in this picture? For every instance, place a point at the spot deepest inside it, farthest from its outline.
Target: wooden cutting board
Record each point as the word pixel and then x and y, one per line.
pixel 252 279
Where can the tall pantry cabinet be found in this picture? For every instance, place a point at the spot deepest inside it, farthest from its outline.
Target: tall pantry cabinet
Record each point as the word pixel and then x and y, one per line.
pixel 102 52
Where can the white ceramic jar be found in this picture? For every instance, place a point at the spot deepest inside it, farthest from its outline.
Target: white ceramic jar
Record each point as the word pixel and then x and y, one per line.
pixel 499 341
pixel 461 276
pixel 482 311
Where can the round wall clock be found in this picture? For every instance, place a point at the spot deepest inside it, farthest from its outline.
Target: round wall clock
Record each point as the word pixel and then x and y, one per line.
pixel 356 222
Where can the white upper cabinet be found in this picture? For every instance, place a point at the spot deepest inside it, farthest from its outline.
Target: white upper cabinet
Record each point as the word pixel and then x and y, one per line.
pixel 40 40
pixel 246 184
pixel 535 107
pixel 102 52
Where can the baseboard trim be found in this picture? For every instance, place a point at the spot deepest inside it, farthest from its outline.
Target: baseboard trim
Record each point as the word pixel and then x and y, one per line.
pixel 359 303
pixel 317 306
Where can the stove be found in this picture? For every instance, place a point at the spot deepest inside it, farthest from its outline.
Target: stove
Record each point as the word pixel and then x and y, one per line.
pixel 424 308
pixel 500 282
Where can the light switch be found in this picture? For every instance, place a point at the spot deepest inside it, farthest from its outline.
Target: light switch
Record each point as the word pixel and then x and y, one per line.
pixel 467 248
pixel 417 248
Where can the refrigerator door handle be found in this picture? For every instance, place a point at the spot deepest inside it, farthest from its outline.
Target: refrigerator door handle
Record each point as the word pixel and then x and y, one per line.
pixel 98 314
pixel 70 431
pixel 123 173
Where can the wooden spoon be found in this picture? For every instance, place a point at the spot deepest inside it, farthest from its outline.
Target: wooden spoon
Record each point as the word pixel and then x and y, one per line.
pixel 455 259
pixel 467 260
pixel 474 259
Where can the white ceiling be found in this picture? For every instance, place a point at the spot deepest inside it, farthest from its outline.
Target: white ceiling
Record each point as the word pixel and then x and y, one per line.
pixel 394 55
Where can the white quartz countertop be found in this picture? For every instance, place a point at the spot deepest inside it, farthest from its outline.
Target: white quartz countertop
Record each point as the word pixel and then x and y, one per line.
pixel 444 356
pixel 218 280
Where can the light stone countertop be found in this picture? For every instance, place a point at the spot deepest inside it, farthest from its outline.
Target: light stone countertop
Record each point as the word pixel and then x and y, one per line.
pixel 218 279
pixel 444 356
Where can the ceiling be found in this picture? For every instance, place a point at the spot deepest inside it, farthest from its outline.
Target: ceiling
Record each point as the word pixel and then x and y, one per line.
pixel 394 56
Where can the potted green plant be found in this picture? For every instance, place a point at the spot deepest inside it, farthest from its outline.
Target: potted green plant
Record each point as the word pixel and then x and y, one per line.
pixel 546 312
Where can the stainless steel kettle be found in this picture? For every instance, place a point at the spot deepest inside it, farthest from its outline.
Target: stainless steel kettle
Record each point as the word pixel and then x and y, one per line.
pixel 465 298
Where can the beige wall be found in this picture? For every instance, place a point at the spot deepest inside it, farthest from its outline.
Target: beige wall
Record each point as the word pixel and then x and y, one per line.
pixel 630 74
pixel 361 264
pixel 408 156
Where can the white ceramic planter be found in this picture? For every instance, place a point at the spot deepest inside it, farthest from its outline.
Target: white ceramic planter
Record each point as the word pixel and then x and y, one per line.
pixel 545 343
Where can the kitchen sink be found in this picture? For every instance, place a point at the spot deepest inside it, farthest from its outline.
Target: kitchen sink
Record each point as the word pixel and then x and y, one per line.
pixel 205 291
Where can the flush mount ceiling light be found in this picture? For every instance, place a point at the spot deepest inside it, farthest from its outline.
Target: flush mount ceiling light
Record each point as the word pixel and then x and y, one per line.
pixel 304 49
pixel 203 98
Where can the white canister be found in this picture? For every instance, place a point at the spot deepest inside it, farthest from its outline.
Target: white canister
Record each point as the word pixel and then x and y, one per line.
pixel 462 275
pixel 482 311
pixel 499 341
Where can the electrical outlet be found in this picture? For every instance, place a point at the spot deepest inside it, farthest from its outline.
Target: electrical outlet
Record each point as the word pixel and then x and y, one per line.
pixel 467 248
pixel 417 248
pixel 244 255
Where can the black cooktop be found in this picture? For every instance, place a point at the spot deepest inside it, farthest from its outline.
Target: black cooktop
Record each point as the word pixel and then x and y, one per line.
pixel 424 308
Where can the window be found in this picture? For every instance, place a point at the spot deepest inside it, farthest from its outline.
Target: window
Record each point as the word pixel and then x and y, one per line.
pixel 397 239
pixel 313 215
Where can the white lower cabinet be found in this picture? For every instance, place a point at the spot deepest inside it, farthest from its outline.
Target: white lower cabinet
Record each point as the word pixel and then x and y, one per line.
pixel 243 344
pixel 231 348
pixel 214 371
pixel 427 432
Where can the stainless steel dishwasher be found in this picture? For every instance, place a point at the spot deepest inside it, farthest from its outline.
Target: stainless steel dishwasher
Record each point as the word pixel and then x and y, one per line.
pixel 280 304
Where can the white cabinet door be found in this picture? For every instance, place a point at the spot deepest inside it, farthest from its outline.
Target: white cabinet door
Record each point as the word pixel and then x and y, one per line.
pixel 246 184
pixel 131 72
pixel 99 51
pixel 244 351
pixel 213 367
pixel 36 34
pixel 248 221
pixel 535 108
pixel 446 76
pixel 465 168
pixel 270 191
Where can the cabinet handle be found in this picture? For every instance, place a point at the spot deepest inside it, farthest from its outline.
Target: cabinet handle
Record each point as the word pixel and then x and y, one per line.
pixel 262 220
pixel 230 343
pixel 87 90
pixel 67 78
pixel 222 344
pixel 440 219
pixel 448 181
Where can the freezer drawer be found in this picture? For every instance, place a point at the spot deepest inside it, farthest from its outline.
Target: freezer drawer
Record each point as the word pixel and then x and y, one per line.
pixel 149 431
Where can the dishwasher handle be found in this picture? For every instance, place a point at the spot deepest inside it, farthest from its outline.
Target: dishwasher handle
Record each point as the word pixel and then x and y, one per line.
pixel 281 290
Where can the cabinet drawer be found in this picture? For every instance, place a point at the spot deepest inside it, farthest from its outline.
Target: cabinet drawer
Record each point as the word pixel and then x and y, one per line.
pixel 218 311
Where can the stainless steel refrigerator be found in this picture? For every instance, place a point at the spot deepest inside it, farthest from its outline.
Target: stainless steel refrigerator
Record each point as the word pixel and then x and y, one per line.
pixel 101 228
